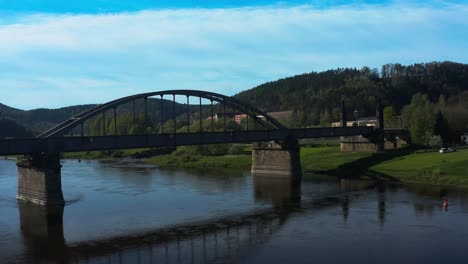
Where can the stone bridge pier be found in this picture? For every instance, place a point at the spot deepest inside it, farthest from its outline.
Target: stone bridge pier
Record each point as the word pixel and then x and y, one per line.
pixel 39 179
pixel 370 143
pixel 277 160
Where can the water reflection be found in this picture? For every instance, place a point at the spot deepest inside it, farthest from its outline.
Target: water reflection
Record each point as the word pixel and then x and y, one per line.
pixel 42 230
pixel 287 217
pixel 222 239
pixel 381 190
pixel 280 192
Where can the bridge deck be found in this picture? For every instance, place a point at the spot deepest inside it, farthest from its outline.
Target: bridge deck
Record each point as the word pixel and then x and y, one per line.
pixel 89 143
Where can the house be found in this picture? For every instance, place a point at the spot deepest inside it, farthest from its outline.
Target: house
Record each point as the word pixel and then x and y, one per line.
pixel 464 138
pixel 237 117
pixel 363 121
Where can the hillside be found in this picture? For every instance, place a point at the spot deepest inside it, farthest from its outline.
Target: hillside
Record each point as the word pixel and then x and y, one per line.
pixel 316 97
pixel 38 120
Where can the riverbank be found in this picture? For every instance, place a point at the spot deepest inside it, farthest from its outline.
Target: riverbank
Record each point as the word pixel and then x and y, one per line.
pixel 403 165
pixel 428 167
pixel 407 165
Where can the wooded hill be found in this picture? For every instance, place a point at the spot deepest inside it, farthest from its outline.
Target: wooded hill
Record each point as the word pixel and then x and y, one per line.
pixel 314 97
pixel 317 96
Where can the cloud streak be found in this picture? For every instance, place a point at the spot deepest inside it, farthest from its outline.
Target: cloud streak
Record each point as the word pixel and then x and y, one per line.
pixel 96 58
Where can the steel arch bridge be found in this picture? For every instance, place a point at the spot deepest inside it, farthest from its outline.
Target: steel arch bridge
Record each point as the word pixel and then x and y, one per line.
pixel 251 111
pixel 61 138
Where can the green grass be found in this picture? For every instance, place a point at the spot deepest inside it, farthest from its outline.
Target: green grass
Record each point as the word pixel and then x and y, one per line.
pixel 323 159
pixel 428 167
pixel 313 159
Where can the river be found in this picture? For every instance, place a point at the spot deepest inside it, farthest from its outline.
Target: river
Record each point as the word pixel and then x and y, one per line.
pixel 121 212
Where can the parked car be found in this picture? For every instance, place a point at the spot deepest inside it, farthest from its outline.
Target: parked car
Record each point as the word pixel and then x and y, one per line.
pixel 447 150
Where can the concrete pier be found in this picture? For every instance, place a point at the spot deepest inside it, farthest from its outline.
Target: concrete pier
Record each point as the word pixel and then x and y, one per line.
pixel 362 144
pixel 280 160
pixel 39 179
pixel 371 143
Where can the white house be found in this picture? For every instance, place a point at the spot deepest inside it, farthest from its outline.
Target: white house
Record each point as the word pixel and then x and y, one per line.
pixel 464 138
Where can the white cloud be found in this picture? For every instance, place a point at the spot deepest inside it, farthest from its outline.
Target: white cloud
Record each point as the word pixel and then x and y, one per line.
pixel 100 57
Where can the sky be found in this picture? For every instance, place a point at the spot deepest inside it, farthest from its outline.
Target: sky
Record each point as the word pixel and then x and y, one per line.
pixel 58 53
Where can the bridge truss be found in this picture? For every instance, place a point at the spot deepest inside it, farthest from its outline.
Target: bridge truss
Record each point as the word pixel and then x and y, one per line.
pixel 165 118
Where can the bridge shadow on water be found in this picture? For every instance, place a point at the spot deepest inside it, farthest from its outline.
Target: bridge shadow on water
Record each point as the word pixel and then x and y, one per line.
pixel 225 239
pixel 221 239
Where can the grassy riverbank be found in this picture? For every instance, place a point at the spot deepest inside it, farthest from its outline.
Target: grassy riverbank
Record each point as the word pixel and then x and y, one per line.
pixel 314 159
pixel 428 167
pixel 405 165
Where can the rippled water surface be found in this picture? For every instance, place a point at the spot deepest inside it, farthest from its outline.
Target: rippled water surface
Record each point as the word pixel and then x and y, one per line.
pixel 119 212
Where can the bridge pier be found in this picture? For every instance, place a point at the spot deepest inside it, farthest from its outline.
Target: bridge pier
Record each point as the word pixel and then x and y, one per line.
pixel 280 160
pixel 374 143
pixel 371 143
pixel 39 179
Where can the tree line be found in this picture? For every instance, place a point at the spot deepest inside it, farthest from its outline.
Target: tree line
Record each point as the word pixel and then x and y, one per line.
pixel 422 97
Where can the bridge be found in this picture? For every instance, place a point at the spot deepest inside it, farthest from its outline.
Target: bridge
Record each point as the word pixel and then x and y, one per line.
pixel 152 123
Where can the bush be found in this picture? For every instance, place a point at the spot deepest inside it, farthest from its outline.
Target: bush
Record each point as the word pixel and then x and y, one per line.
pixel 435 141
pixel 236 149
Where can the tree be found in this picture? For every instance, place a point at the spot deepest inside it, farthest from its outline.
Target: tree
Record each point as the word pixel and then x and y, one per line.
pixel 325 118
pixel 441 126
pixel 10 129
pixel 420 119
pixel 390 117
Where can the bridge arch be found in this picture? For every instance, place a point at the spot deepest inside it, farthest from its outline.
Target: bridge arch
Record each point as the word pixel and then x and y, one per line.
pixel 253 112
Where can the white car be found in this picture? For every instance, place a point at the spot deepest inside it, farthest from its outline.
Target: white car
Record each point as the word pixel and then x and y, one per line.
pixel 447 150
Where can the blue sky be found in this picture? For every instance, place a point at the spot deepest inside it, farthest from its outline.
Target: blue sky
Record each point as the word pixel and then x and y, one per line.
pixel 54 54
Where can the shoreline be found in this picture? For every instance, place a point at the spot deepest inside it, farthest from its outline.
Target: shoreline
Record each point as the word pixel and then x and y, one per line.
pixel 420 167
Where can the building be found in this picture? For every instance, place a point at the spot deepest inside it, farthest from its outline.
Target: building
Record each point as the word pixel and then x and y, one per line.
pixel 227 115
pixel 237 117
pixel 363 121
pixel 464 138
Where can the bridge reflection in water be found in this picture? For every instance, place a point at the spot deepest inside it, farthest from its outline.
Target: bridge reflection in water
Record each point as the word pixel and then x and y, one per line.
pixel 229 238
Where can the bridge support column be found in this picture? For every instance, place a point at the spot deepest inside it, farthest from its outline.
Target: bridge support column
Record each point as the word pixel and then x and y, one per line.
pixel 281 160
pixel 372 143
pixel 39 179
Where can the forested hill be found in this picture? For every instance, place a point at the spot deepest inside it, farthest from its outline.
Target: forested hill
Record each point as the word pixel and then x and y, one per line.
pixel 38 120
pixel 317 96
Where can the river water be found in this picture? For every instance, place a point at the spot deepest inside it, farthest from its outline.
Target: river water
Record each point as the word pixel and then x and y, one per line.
pixel 119 212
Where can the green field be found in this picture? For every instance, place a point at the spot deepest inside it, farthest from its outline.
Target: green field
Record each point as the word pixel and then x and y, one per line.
pixel 428 167
pixel 405 165
pixel 323 159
